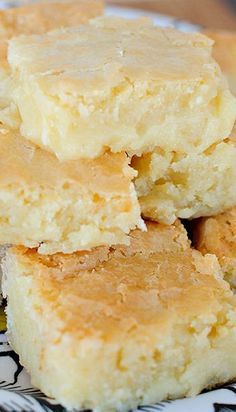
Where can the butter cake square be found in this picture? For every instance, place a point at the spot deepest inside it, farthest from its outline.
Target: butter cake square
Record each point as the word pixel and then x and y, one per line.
pixel 116 327
pixel 120 84
pixel 65 206
pixel 187 185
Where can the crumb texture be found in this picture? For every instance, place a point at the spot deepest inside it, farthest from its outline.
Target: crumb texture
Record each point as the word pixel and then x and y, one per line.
pixel 171 185
pixel 64 206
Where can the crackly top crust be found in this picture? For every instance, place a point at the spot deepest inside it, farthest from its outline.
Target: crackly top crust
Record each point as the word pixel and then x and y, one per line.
pixel 156 281
pixel 117 83
pixel 108 47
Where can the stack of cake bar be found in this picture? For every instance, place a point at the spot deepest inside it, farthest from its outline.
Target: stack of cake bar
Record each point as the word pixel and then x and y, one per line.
pixel 112 132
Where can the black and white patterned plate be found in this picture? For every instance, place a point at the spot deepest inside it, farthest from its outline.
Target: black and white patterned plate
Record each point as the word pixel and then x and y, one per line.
pixel 16 391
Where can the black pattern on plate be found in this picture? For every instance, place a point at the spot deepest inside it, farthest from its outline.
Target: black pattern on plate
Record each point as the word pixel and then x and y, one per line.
pixel 220 407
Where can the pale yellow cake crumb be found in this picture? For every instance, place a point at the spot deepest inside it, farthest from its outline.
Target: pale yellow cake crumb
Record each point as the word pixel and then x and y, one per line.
pixel 117 327
pixel 120 84
pixel 171 185
pixel 224 51
pixel 64 206
pixel 218 235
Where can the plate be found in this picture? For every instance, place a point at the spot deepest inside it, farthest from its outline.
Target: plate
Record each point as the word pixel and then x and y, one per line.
pixel 16 391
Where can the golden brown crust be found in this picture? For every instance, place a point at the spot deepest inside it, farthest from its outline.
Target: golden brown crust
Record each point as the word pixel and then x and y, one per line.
pixel 126 325
pixel 144 243
pixel 155 279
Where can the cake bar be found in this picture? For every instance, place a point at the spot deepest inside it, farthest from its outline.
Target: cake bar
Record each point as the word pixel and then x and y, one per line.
pixel 117 327
pixel 187 185
pixel 64 206
pixel 119 84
